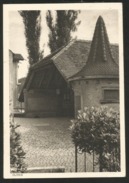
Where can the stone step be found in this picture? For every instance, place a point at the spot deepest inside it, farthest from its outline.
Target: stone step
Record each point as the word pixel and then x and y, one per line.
pixel 45 169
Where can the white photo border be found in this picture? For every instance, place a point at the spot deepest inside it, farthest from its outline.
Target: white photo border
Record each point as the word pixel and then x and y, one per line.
pixel 77 6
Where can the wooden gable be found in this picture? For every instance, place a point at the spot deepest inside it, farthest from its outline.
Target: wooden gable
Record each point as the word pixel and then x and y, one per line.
pixel 46 78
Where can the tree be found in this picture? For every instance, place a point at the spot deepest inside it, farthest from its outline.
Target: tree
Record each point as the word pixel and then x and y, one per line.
pixel 60 30
pixel 32 25
pixel 97 129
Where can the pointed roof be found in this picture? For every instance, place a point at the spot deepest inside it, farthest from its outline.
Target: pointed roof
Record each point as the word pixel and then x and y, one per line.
pixel 68 60
pixel 100 62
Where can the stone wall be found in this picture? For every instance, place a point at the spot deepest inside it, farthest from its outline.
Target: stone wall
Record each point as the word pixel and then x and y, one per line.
pixel 41 103
pixel 90 92
pixel 87 93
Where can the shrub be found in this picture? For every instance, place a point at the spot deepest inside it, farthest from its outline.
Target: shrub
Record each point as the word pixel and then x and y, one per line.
pixel 97 129
pixel 17 154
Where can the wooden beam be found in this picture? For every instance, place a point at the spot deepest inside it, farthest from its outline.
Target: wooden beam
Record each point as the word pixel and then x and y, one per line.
pixel 30 81
pixel 42 78
pixel 50 78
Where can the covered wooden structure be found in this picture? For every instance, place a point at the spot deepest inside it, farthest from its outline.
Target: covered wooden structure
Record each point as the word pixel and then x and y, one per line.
pixel 52 87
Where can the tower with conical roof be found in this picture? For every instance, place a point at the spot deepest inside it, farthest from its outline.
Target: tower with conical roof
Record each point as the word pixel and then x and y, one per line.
pixel 98 80
pixel 100 62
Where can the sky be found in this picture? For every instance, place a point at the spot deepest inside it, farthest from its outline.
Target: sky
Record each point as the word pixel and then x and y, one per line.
pixel 17 42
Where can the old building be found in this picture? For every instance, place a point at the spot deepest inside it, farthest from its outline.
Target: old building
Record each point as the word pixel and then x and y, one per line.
pixel 97 82
pixel 82 73
pixel 14 59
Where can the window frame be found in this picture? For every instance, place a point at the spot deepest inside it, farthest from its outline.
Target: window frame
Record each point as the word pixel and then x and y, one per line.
pixel 104 100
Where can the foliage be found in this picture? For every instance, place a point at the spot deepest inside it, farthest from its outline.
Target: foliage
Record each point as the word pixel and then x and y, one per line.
pixel 60 30
pixel 17 154
pixel 98 130
pixel 32 25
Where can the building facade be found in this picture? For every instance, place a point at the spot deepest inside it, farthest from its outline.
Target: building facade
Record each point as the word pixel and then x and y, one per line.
pixel 13 79
pixel 80 74
pixel 97 83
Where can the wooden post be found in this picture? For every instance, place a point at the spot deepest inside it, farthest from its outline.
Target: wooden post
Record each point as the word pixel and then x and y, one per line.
pixel 93 161
pixel 110 160
pixel 75 158
pixel 113 153
pixel 100 162
pixel 85 161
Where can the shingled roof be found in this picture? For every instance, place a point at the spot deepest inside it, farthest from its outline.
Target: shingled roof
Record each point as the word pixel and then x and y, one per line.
pixel 69 60
pixel 100 62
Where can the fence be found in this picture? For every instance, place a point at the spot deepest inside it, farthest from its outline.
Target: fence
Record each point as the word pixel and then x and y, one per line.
pixel 113 162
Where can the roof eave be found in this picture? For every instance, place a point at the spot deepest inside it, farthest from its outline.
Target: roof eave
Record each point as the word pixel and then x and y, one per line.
pixel 18 57
pixel 93 77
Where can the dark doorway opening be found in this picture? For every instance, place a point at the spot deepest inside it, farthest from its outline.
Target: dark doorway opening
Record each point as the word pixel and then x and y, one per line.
pixel 65 102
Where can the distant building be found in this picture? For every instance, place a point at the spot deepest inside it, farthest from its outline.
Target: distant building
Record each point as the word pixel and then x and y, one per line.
pixel 20 84
pixel 13 79
pixel 82 73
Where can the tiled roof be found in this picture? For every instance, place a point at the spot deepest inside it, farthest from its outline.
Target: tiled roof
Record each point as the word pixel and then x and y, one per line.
pixel 100 61
pixel 69 59
pixel 47 60
pixel 72 58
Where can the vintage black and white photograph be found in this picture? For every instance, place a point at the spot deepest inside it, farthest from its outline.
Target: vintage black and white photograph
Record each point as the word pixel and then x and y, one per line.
pixel 63 90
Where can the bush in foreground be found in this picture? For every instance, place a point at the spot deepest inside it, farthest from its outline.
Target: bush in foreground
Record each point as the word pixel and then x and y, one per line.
pixel 98 129
pixel 17 154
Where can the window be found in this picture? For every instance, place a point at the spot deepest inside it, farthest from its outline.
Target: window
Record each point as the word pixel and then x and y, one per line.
pixel 110 95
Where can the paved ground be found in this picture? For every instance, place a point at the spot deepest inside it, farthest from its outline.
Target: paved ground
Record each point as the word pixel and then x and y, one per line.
pixel 47 142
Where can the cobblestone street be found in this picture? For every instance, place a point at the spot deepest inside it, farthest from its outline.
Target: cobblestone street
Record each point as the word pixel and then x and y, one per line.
pixel 47 143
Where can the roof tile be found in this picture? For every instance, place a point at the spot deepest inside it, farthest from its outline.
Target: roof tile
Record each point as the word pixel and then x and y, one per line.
pixel 68 60
pixel 100 61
